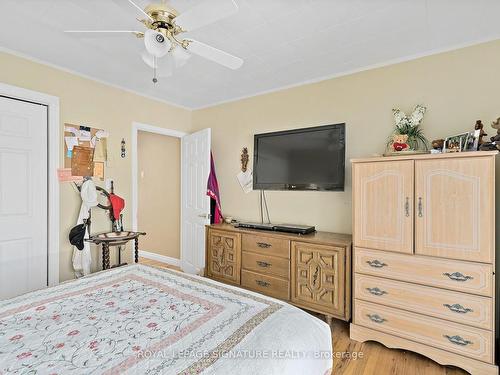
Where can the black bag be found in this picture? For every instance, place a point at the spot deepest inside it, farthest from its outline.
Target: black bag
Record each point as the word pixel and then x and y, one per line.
pixel 77 234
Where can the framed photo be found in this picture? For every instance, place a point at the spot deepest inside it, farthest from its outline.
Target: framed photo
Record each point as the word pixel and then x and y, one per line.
pixel 461 142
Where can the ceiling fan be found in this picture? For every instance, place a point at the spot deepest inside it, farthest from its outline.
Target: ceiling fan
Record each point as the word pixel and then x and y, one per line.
pixel 165 49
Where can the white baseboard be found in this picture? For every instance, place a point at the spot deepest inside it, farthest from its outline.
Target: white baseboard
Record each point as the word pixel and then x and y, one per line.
pixel 159 258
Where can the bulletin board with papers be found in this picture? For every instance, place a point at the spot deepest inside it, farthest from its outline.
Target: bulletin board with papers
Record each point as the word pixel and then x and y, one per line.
pixel 85 150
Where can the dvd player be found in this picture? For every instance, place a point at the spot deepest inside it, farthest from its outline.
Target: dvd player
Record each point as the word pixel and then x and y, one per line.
pixel 288 228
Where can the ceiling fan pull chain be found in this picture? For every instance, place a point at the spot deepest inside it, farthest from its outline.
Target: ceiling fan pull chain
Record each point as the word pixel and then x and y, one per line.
pixel 155 79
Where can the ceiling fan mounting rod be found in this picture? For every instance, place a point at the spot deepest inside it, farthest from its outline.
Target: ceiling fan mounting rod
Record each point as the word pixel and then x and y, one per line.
pixel 161 16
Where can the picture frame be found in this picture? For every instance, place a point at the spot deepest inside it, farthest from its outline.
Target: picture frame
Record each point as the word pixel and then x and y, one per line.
pixel 461 142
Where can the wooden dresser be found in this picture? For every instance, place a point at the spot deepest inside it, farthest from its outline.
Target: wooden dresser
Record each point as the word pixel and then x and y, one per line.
pixel 424 256
pixel 310 271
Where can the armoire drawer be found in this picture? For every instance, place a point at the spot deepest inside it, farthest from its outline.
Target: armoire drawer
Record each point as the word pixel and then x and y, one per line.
pixel 268 285
pixel 440 303
pixel 475 278
pixel 273 246
pixel 457 338
pixel 265 264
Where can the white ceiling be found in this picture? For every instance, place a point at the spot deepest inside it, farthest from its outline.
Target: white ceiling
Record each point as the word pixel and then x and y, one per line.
pixel 283 42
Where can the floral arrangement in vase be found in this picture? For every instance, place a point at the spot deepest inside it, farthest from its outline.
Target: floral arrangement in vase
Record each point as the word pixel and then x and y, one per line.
pixel 408 128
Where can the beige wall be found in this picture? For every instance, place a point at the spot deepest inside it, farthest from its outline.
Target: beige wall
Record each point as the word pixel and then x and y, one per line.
pixel 159 193
pixel 83 101
pixel 458 88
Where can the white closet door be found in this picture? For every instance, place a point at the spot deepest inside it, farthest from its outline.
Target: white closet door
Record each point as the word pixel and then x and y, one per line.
pixel 23 197
pixel 195 209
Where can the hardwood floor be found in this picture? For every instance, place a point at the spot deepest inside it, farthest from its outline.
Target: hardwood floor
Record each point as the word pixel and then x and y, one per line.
pixel 149 262
pixel 378 360
pixel 369 358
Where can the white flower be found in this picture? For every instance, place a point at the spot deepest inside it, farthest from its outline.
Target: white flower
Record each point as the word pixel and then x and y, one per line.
pixel 415 119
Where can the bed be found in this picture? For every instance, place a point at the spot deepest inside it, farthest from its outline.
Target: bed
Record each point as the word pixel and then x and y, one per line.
pixel 143 320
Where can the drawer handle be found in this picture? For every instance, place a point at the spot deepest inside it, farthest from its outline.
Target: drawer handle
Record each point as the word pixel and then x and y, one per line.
pixel 376 291
pixel 407 207
pixel 457 340
pixel 457 276
pixel 458 308
pixel 376 319
pixel 264 245
pixel 262 283
pixel 376 263
pixel 315 276
pixel 420 214
pixel 260 263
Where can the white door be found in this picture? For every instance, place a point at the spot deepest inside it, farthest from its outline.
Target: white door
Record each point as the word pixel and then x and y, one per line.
pixel 23 197
pixel 195 209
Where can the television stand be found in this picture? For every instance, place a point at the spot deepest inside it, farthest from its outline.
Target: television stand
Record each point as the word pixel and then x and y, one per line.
pixel 287 228
pixel 310 271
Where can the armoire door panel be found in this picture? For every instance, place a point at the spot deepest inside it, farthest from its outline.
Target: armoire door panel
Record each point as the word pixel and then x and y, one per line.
pixel 455 208
pixel 383 204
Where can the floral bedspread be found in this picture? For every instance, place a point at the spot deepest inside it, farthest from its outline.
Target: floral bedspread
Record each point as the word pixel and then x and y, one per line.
pixel 135 319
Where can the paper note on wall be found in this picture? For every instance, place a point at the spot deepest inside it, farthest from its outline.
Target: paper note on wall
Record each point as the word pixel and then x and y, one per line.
pixel 85 134
pixel 82 161
pixel 64 175
pixel 70 143
pixel 246 180
pixel 99 170
pixel 101 149
pixel 72 130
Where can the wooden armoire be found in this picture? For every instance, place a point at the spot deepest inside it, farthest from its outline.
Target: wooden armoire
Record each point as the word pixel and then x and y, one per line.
pixel 424 256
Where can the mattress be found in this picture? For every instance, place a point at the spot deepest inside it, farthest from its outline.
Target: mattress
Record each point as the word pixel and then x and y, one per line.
pixel 143 320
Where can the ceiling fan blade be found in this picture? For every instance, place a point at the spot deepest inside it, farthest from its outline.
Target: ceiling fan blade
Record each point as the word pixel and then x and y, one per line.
pixel 206 13
pixel 214 54
pixel 104 32
pixel 127 3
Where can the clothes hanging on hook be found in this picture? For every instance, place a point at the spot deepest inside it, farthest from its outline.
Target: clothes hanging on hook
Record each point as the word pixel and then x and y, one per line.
pixel 82 258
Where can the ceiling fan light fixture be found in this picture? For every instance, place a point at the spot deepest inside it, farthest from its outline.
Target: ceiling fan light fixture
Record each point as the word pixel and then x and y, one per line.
pixel 148 58
pixel 156 43
pixel 180 56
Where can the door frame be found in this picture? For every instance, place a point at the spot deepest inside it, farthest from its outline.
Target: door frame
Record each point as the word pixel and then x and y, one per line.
pixel 136 127
pixel 53 153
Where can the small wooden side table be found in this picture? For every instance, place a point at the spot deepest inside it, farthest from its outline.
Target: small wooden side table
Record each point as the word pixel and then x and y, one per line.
pixel 110 239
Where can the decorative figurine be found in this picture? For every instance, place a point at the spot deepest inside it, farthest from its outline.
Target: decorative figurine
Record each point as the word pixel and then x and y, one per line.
pixel 488 146
pixel 244 159
pixel 437 144
pixel 479 126
pixel 496 125
pixel 399 142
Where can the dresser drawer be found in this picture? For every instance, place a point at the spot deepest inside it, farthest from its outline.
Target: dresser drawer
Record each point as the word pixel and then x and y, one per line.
pixel 456 275
pixel 266 264
pixel 277 247
pixel 457 338
pixel 268 285
pixel 454 306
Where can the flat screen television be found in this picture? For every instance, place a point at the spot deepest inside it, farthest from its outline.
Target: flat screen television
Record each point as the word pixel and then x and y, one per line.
pixel 300 159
